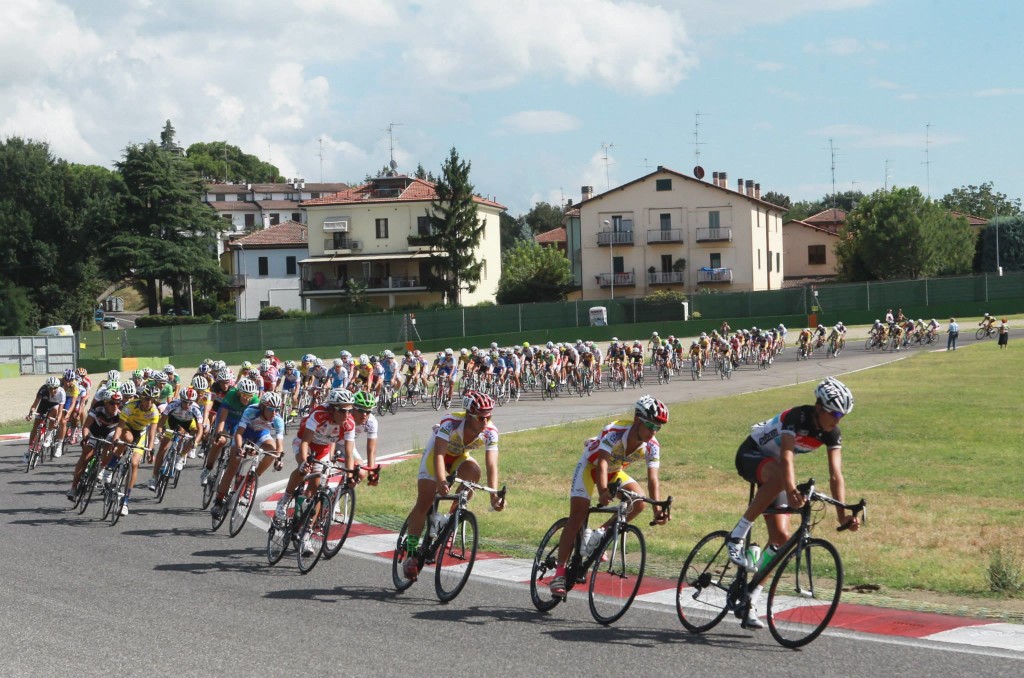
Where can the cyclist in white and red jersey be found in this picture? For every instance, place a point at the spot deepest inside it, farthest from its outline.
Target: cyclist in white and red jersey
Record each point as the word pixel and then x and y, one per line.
pixel 766 459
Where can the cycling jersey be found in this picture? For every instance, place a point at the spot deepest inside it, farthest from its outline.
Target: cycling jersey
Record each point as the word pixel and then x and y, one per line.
pixel 233 404
pixel 137 419
pixel 612 440
pixel 254 422
pixel 48 399
pixel 339 376
pixel 799 422
pixel 180 415
pixel 325 431
pixel 452 430
pixel 103 424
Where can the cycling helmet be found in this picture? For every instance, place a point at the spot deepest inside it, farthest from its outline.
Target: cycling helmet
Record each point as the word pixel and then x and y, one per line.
pixel 649 408
pixel 475 349
pixel 416 353
pixel 449 351
pixel 254 374
pixel 440 355
pixel 986 314
pixel 820 326
pixel 337 362
pixel 69 375
pixel 149 391
pixel 289 364
pixel 246 364
pixel 615 339
pixel 168 369
pixel 338 397
pixel 219 365
pixel 113 397
pixel 264 364
pixel 345 355
pixel 374 360
pixel 834 396
pixel 160 378
pixel 494 344
pixel 112 386
pixel 113 375
pixel 200 383
pixel 694 343
pixel 225 375
pixel 268 354
pixel 549 346
pixel 52 382
pixel 138 374
pixel 934 322
pixel 477 403
pixel 389 354
pixel 781 327
pixel 364 400
pixel 247 386
pixel 877 321
pixel 128 390
pixel 654 334
pixel 463 351
pixel 203 369
pixel 308 358
pixel 363 358
pixel 188 395
pixel 703 335
pixel 526 344
pixel 271 400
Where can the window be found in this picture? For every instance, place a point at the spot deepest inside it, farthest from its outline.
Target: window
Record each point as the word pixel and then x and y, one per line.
pixel 714 219
pixel 219 197
pixel 290 265
pixel 264 265
pixel 250 220
pixel 297 217
pixel 423 226
pixel 617 265
pixel 666 263
pixel 666 222
pixel 340 240
pixel 769 261
pixel 268 196
pixel 382 228
pixel 264 304
pixel 663 185
pixel 314 195
pixel 759 259
pixel 226 216
pixel 275 218
pixel 816 255
pixel 716 260
pixel 778 262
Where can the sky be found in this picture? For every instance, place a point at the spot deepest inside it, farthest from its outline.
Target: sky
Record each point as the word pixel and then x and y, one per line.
pixel 541 96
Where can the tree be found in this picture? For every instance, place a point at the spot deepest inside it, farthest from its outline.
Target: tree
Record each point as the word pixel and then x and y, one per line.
pixel 981 201
pixel 776 198
pixel 18 315
pixel 424 174
pixel 542 217
pixel 1011 244
pixel 455 231
pixel 168 234
pixel 531 273
pixel 221 161
pixel 901 234
pixel 512 231
pixel 802 209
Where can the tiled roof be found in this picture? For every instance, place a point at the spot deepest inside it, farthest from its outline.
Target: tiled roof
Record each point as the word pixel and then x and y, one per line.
pixel 832 215
pixel 414 190
pixel 324 188
pixel 554 235
pixel 232 205
pixel 816 227
pixel 226 188
pixel 286 234
pixel 971 219
pixel 278 204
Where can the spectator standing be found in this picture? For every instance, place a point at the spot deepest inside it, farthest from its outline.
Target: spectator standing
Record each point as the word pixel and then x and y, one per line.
pixel 1004 333
pixel 953 333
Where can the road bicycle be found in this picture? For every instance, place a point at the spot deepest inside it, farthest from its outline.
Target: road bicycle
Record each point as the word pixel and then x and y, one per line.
pixel 836 346
pixel 616 564
pixel 90 474
pixel 986 332
pixel 696 368
pixel 116 490
pixel 387 402
pixel 725 368
pixel 664 373
pixel 44 441
pixel 72 436
pixel 449 542
pixel 242 494
pixel 169 473
pixel 803 594
pixel 214 476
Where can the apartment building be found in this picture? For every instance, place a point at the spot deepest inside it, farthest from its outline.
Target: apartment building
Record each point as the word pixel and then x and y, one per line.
pixel 668 230
pixel 373 234
pixel 265 268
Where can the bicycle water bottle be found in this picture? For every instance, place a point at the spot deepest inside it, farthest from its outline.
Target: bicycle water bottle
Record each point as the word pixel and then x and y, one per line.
pixel 299 500
pixel 766 557
pixel 753 555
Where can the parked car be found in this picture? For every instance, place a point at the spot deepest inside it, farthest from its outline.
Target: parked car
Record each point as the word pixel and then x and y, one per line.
pixel 109 324
pixel 56 331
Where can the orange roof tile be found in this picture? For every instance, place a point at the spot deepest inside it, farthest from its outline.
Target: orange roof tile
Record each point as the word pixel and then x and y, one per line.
pixel 383 190
pixel 554 235
pixel 283 235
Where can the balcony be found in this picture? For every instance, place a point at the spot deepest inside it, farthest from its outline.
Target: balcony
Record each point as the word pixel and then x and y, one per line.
pixel 714 276
pixel 620 279
pixel 666 278
pixel 659 236
pixel 418 243
pixel 714 234
pixel 390 284
pixel 605 238
pixel 344 245
pixel 236 281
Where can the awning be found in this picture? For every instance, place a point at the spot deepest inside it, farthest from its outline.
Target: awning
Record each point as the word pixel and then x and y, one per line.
pixel 365 257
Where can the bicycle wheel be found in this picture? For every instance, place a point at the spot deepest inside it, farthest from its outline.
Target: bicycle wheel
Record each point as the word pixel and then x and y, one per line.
pixel 341 522
pixel 213 479
pixel 435 399
pixel 241 502
pixel 162 477
pixel 543 570
pixel 278 537
pixel 805 593
pixel 398 560
pixel 456 555
pixel 119 490
pixel 313 533
pixel 86 485
pixel 614 582
pixel 108 498
pixel 702 592
pixel 980 334
pixel 217 521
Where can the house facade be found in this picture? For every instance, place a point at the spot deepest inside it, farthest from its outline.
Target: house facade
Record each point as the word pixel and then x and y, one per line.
pixel 372 234
pixel 668 230
pixel 810 244
pixel 265 269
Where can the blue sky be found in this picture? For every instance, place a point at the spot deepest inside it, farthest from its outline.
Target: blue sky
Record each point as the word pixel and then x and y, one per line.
pixel 529 90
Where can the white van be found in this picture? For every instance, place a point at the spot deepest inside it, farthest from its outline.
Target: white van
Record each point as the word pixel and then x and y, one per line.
pixel 56 331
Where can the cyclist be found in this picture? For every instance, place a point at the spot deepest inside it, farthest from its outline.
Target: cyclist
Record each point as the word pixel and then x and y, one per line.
pixel 804 340
pixel 604 459
pixel 234 404
pixel 338 374
pixel 267 375
pixel 448 451
pixel 705 345
pixel 636 359
pixel 261 423
pixel 181 415
pixel 72 392
pixel 819 338
pixel 988 322
pixel 136 425
pixel 101 422
pixel 274 360
pixel 288 384
pixel 49 398
pixel 766 458
pixel 694 355
pixel 364 424
pixel 390 367
pixel 174 379
pixel 448 367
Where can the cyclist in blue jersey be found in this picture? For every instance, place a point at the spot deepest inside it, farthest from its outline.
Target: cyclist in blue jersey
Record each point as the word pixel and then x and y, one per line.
pixel 234 403
pixel 261 423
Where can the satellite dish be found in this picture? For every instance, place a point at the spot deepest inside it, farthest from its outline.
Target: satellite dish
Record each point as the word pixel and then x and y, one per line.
pixel 698 172
pixel 394 165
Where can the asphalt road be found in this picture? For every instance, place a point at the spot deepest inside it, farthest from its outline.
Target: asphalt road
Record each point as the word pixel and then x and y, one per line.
pixel 160 595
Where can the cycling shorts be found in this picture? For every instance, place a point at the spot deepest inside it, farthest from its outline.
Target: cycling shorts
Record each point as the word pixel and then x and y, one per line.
pixel 174 424
pixel 69 401
pixel 584 479
pixel 250 435
pixel 452 462
pixel 444 370
pixel 45 406
pixel 138 438
pixel 104 432
pixel 750 463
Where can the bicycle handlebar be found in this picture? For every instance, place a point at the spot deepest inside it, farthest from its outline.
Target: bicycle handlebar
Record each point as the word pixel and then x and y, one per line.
pixel 811 494
pixel 665 504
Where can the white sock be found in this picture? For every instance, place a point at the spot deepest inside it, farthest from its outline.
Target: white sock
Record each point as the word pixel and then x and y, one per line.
pixel 741 529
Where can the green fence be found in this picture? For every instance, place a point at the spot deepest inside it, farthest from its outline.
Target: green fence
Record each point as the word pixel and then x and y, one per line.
pixel 966 295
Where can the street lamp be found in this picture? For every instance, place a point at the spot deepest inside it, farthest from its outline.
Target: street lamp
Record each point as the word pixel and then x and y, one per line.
pixel 611 257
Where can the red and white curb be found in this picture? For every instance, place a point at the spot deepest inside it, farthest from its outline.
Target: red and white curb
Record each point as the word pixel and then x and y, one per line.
pixel 14 436
pixel 380 543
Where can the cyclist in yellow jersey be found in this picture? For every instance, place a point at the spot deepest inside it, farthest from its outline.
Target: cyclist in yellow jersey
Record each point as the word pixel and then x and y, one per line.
pixel 137 426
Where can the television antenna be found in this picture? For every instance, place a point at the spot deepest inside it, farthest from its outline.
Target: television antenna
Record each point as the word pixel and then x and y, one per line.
pixel 927 160
pixel 887 175
pixel 607 179
pixel 391 142
pixel 832 149
pixel 320 154
pixel 697 143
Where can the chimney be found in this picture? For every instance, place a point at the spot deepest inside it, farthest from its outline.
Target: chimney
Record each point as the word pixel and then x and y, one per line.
pixel 757 191
pixel 588 192
pixel 750 188
pixel 714 178
pixel 739 185
pixel 723 178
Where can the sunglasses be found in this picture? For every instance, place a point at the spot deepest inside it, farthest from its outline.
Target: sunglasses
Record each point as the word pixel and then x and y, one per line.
pixel 837 415
pixel 361 410
pixel 271 409
pixel 652 426
pixel 481 417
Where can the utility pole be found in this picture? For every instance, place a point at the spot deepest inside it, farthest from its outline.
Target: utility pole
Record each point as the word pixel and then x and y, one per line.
pixel 607 179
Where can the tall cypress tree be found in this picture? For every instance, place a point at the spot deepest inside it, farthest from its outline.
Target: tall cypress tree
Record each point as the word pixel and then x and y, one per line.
pixel 456 232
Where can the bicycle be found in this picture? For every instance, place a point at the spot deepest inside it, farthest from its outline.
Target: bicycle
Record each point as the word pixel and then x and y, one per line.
pixel 986 332
pixel 242 494
pixel 387 401
pixel 449 542
pixel 116 490
pixel 214 476
pixel 616 564
pixel 696 369
pixel 44 441
pixel 664 374
pixel 90 474
pixel 725 370
pixel 835 347
pixel 169 473
pixel 803 594
pixel 72 436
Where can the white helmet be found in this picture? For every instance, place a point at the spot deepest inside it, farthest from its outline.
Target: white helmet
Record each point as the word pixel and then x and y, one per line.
pixel 200 383
pixel 363 358
pixel 52 382
pixel 113 375
pixel 272 399
pixel 338 397
pixel 168 369
pixel 247 386
pixel 338 362
pixel 345 355
pixel 834 396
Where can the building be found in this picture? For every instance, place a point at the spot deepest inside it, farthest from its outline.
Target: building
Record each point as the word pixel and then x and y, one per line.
pixel 809 244
pixel 554 238
pixel 265 268
pixel 668 230
pixel 373 234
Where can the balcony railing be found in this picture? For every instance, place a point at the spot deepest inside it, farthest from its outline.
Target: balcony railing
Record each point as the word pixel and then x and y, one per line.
pixel 710 276
pixel 614 238
pixel 714 234
pixel 332 245
pixel 657 236
pixel 620 279
pixel 236 281
pixel 327 284
pixel 666 278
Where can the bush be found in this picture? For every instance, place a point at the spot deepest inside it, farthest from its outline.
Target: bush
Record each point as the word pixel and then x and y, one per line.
pixel 1005 571
pixel 271 313
pixel 169 320
pixel 665 297
pixel 228 318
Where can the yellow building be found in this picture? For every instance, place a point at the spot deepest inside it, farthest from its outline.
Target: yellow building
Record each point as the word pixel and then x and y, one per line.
pixel 373 234
pixel 667 230
pixel 810 244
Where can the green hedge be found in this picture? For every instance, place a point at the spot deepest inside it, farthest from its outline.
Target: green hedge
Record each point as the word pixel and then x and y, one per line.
pixel 169 320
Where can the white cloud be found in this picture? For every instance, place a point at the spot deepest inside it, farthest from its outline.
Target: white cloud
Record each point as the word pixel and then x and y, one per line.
pixel 539 122
pixel 861 136
pixel 45 116
pixel 769 66
pixel 999 92
pixel 844 46
pixel 878 83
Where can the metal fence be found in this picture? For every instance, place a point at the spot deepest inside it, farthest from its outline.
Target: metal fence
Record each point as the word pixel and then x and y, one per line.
pixel 38 355
pixel 388 328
